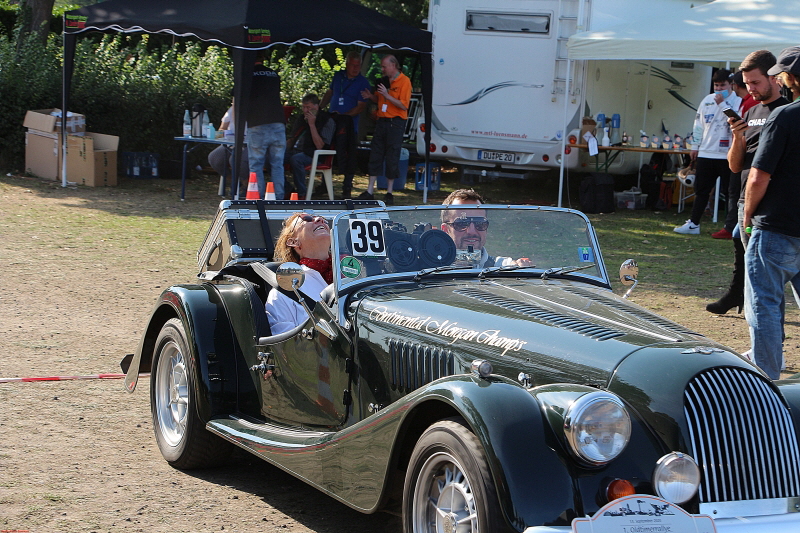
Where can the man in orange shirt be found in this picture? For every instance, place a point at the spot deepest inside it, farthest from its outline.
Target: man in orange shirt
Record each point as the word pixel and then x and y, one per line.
pixel 393 104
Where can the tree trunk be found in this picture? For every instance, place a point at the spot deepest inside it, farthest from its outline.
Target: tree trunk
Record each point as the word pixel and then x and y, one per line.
pixel 34 18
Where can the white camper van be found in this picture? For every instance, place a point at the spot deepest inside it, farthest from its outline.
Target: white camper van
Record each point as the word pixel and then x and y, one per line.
pixel 504 93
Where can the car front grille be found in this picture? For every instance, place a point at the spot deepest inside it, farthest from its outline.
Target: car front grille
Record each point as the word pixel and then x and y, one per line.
pixel 742 437
pixel 414 365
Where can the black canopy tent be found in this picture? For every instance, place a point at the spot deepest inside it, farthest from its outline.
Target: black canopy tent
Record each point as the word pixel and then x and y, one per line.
pixel 246 26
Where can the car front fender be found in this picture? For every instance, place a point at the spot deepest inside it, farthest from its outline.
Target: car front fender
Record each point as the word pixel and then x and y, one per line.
pixel 209 339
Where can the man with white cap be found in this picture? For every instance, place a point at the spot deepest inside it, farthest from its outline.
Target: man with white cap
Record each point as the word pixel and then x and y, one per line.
pixel 772 258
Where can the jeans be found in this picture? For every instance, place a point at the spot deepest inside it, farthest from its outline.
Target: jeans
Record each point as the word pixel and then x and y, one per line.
pixel 706 172
pixel 297 161
pixel 386 143
pixel 261 140
pixel 771 260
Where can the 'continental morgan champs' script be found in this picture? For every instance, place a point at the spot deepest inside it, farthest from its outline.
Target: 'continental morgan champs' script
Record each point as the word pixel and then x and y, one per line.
pixel 445 328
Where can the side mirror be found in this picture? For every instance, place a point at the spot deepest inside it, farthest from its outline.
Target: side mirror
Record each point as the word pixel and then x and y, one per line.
pixel 290 276
pixel 628 275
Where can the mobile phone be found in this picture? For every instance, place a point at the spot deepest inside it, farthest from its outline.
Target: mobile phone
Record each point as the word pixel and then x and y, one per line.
pixel 731 113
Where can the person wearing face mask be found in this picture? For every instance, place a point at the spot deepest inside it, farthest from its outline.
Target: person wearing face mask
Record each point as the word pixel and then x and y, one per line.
pixel 304 239
pixel 712 136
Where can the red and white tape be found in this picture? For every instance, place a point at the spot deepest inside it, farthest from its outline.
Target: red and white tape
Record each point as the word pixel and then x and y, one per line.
pixel 67 378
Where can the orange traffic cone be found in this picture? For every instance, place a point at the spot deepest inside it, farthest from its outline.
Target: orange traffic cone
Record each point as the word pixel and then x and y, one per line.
pixel 293 196
pixel 270 191
pixel 252 188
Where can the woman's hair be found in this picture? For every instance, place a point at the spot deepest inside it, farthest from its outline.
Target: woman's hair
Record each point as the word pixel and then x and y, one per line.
pixel 284 252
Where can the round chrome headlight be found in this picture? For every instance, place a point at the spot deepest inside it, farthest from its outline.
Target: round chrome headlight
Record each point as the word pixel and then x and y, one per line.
pixel 676 477
pixel 597 427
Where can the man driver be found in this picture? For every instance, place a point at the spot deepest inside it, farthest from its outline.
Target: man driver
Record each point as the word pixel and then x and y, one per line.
pixel 468 229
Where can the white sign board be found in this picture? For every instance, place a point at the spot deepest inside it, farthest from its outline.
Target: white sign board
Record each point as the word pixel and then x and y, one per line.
pixel 642 513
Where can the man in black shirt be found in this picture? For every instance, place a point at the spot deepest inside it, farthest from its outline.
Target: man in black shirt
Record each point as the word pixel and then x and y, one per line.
pixel 764 89
pixel 266 127
pixel 771 213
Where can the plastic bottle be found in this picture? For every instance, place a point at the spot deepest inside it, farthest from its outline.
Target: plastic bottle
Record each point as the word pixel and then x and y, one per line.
pixel 153 166
pixel 615 136
pixel 206 123
pixel 606 140
pixel 601 121
pixel 187 124
pixel 212 133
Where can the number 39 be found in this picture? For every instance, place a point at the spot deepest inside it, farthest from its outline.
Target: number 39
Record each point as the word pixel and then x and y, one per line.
pixel 367 237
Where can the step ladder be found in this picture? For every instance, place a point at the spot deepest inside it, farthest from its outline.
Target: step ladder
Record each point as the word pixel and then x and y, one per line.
pixel 572 18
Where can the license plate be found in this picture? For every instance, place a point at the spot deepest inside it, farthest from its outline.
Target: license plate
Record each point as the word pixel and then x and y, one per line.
pixel 501 157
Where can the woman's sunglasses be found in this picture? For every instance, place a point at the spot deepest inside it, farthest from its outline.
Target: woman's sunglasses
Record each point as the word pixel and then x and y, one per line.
pixel 461 224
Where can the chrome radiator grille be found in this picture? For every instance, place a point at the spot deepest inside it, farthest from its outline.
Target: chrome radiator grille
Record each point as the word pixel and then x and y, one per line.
pixel 414 365
pixel 742 437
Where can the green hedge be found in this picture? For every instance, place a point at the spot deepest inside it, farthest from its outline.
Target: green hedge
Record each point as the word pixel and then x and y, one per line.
pixel 137 87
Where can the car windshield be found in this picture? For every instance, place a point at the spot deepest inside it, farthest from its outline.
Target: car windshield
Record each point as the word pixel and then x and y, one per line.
pixel 485 239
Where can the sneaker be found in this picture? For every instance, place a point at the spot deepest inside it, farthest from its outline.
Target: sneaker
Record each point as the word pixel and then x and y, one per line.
pixel 689 228
pixel 722 234
pixel 366 196
pixel 388 199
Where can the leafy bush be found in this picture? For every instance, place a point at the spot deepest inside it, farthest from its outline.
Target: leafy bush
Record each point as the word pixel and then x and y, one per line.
pixel 136 87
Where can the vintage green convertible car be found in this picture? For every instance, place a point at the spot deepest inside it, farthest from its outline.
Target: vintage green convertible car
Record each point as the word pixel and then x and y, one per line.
pixel 470 367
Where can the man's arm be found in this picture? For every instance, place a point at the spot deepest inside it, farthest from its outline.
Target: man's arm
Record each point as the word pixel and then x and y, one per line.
pixel 311 118
pixel 384 91
pixel 326 99
pixel 357 109
pixel 757 183
pixel 738 146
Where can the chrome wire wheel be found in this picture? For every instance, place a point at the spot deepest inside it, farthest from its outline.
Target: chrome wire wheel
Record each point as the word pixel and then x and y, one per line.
pixel 443 499
pixel 172 393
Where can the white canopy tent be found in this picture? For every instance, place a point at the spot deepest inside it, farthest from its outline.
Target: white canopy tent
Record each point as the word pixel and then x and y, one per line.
pixel 723 30
pixel 718 31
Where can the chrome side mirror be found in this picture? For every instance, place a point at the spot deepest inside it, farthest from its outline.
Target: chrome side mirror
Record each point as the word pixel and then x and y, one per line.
pixel 291 277
pixel 628 275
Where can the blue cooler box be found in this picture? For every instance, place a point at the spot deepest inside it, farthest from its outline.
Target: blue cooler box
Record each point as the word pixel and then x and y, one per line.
pixel 402 167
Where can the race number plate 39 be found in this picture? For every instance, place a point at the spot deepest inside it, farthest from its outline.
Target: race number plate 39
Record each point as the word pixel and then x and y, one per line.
pixel 500 157
pixel 366 238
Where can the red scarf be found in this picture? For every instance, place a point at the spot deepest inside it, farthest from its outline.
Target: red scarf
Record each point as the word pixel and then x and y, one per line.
pixel 323 266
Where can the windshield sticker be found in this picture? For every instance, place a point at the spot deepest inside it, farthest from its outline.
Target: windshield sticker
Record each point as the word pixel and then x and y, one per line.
pixel 447 329
pixel 366 238
pixel 585 254
pixel 351 267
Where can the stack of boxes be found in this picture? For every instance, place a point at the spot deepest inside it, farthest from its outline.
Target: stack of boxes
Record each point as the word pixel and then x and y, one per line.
pixel 91 157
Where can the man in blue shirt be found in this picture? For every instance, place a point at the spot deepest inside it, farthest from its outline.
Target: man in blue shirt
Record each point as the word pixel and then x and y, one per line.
pixel 346 105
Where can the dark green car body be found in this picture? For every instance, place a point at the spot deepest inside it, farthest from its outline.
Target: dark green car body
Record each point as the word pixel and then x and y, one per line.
pixel 343 412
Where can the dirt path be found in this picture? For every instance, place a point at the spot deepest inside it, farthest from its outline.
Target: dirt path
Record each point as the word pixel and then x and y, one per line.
pixel 82 268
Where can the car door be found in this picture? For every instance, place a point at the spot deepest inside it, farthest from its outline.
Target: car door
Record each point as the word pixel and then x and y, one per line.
pixel 310 383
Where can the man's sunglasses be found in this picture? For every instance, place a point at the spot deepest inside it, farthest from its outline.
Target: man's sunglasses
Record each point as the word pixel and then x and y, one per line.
pixel 461 224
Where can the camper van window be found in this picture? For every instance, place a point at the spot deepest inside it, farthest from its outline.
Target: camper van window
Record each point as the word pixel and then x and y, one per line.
pixel 508 22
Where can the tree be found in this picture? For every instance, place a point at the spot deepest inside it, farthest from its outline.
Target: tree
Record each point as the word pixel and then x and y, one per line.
pixel 34 18
pixel 411 12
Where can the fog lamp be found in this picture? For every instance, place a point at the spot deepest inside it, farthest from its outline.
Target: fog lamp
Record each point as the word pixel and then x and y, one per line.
pixel 676 477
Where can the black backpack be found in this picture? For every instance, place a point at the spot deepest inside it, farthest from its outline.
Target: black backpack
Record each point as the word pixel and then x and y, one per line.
pixel 596 193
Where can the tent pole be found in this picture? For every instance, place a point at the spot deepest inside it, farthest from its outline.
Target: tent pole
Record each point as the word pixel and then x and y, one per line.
pixel 564 134
pixel 66 82
pixel 644 121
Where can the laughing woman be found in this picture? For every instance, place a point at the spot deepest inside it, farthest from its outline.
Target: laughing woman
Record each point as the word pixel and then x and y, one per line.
pixel 304 239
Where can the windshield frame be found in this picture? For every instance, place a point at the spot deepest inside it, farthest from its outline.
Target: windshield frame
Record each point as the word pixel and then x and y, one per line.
pixel 525 272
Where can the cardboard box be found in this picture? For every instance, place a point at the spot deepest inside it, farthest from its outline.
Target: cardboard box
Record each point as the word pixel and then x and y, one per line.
pixel 49 121
pixel 92 159
pixel 43 154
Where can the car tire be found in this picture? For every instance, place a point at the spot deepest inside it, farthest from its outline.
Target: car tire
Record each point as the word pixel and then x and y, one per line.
pixel 448 486
pixel 180 433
